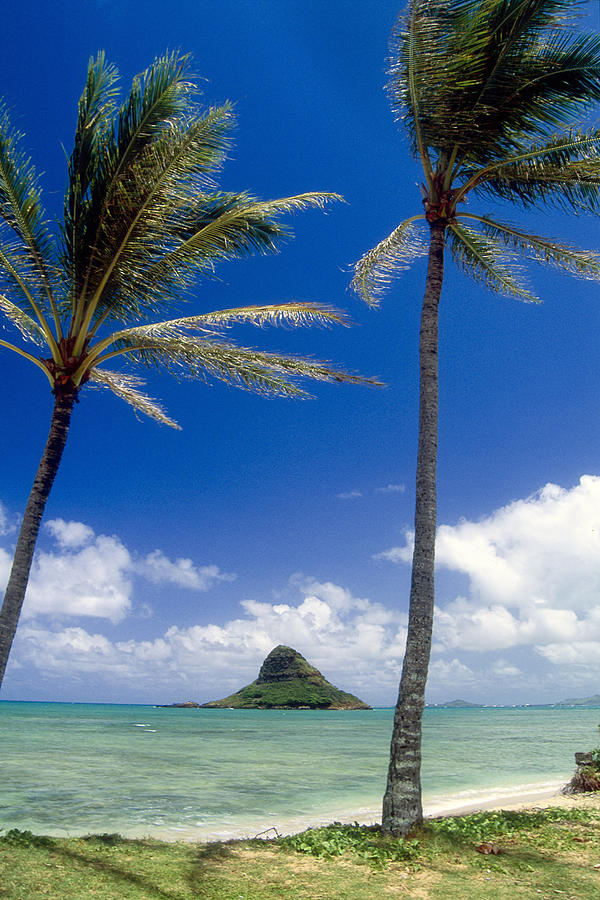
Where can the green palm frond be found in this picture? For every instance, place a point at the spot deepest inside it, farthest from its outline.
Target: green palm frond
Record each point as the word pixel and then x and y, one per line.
pixel 581 263
pixel 19 276
pixel 487 260
pixel 290 314
pixel 216 228
pixel 201 358
pixel 125 166
pixel 229 226
pixel 564 172
pixel 147 215
pixel 20 199
pixel 476 75
pixel 28 326
pixel 537 73
pixel 374 272
pixel 127 388
pixel 27 259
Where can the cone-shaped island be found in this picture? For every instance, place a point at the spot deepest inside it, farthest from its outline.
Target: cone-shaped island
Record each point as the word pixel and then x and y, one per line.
pixel 287 681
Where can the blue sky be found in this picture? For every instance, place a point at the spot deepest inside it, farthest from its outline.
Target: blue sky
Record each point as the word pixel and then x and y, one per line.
pixel 172 562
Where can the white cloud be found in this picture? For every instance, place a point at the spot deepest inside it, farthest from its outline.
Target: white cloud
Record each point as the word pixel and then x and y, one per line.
pixel 358 644
pixel 529 618
pixel 159 568
pixel 533 569
pixel 391 489
pixel 349 495
pixel 92 575
pixel 70 535
pixel 575 653
pixel 91 580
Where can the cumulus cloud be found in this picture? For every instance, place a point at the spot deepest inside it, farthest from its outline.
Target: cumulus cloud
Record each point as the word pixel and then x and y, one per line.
pixel 93 575
pixel 70 534
pixel 349 495
pixel 528 618
pixel 346 637
pixel 159 568
pixel 90 580
pixel 533 569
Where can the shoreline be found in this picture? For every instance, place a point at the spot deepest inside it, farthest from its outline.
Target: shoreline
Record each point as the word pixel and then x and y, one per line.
pixel 515 800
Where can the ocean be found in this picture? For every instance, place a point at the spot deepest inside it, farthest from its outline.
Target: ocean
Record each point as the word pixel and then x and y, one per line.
pixel 73 769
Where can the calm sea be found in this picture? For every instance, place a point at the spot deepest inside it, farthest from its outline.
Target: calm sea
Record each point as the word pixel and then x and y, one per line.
pixel 72 769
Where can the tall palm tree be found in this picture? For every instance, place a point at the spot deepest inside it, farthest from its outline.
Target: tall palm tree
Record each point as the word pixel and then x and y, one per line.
pixel 494 95
pixel 142 219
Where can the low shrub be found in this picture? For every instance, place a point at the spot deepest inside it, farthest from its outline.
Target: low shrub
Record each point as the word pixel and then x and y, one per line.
pixel 585 779
pixel 364 841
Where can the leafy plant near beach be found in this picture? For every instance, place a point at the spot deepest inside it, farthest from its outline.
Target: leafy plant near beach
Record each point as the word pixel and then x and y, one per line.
pixel 481 826
pixel 595 754
pixel 587 774
pixel 365 842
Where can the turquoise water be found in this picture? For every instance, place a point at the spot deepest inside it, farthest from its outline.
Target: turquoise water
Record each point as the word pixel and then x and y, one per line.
pixel 80 768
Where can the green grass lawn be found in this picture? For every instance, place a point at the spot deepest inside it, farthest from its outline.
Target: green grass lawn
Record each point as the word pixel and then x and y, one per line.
pixel 551 854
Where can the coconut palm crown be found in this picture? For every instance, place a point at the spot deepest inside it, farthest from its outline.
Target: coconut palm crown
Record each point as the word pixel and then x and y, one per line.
pixel 495 96
pixel 143 219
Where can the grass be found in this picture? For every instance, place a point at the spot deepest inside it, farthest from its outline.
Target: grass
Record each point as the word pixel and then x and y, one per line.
pixel 551 854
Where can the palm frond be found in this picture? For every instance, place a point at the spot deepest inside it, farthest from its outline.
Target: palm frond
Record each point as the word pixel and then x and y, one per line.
pixel 575 261
pixel 88 161
pixel 563 172
pixel 28 327
pixel 291 314
pixel 537 74
pixel 203 358
pixel 158 104
pixel 478 74
pixel 127 388
pixel 215 228
pixel 21 210
pixel 147 213
pixel 374 272
pixel 229 226
pixel 20 275
pixel 488 261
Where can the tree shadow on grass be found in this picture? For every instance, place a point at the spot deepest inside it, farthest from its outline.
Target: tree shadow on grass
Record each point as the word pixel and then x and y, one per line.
pixel 119 873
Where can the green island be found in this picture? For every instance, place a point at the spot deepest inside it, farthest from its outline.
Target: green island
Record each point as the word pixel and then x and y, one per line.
pixel 504 855
pixel 288 681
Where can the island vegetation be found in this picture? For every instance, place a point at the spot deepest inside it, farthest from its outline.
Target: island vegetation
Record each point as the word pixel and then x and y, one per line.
pixel 288 681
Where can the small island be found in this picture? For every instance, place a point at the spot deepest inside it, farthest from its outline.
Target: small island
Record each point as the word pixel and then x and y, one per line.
pixel 287 681
pixel 455 704
pixel 189 704
pixel 580 701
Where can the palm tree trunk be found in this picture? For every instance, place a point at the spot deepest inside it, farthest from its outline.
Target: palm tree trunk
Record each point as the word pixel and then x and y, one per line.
pixel 402 806
pixel 44 479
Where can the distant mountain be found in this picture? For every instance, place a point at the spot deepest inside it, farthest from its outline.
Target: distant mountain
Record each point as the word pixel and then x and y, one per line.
pixel 456 704
pixel 287 681
pixel 580 701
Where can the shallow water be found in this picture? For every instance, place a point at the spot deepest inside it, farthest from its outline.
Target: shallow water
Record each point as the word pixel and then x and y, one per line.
pixel 80 768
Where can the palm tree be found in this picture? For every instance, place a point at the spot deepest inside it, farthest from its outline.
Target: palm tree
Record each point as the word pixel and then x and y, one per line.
pixel 142 219
pixel 494 95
